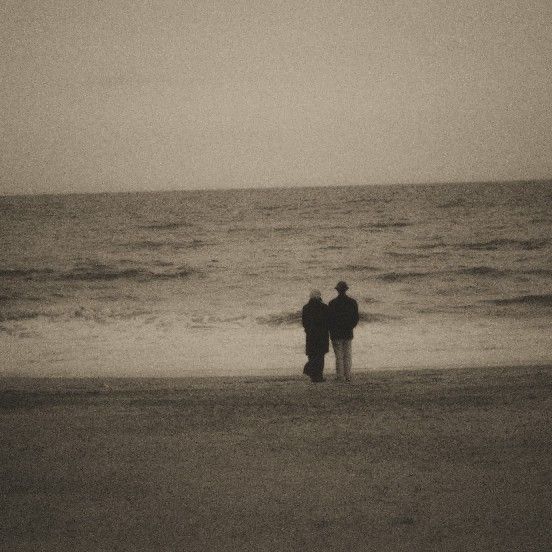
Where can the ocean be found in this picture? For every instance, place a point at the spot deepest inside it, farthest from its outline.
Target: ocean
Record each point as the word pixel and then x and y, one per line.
pixel 212 282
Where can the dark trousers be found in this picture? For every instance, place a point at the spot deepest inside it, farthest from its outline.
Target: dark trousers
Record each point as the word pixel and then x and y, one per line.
pixel 314 367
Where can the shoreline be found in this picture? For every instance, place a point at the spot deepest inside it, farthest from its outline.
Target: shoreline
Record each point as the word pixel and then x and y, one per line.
pixel 298 377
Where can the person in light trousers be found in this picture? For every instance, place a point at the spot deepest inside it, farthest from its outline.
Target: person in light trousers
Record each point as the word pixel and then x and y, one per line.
pixel 342 319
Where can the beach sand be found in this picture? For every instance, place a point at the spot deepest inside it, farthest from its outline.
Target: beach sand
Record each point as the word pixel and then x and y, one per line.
pixel 443 460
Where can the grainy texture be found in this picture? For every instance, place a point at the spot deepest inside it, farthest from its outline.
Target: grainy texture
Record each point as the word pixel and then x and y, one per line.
pixel 431 460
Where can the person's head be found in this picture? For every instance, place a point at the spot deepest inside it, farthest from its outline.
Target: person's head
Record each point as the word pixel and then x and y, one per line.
pixel 341 287
pixel 315 295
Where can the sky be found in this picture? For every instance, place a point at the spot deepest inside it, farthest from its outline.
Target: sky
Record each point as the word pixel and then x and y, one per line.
pixel 135 95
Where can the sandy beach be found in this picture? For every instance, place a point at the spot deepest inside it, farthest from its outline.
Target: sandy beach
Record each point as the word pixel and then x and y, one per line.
pixel 413 460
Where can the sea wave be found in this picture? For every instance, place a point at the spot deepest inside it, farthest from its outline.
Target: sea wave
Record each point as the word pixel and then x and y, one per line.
pixel 408 255
pixel 283 229
pixel 17 315
pixel 482 271
pixel 17 296
pixel 98 271
pixel 101 315
pixel 25 272
pixel 109 273
pixel 146 244
pixel 492 271
pixel 431 245
pixel 492 245
pixel 538 271
pixel 167 225
pixel 329 225
pixel 171 244
pixel 459 202
pixel 358 268
pixel 402 276
pixel 544 300
pixel 383 225
pixel 467 271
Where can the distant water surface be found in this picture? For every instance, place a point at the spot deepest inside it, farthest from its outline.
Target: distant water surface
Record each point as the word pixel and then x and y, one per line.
pixel 212 281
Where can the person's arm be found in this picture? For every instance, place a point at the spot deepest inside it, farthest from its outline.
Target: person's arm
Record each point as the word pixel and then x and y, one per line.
pixel 355 314
pixel 331 317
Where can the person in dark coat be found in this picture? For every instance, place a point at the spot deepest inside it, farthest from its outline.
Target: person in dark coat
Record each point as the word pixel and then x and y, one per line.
pixel 315 321
pixel 342 318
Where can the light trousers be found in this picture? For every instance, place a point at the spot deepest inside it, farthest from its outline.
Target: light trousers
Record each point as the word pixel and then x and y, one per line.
pixel 343 360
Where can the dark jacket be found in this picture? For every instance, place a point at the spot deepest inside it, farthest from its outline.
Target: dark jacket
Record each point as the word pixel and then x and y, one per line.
pixel 342 317
pixel 315 322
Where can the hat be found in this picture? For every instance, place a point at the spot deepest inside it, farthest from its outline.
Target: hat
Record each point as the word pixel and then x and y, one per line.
pixel 341 286
pixel 315 294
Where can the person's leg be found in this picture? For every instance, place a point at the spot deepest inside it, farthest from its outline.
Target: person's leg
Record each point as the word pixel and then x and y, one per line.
pixel 347 358
pixel 312 367
pixel 338 350
pixel 317 367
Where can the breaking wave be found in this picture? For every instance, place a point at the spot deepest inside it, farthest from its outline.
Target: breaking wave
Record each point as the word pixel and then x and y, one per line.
pixel 373 317
pixel 59 312
pixel 294 318
pixel 281 319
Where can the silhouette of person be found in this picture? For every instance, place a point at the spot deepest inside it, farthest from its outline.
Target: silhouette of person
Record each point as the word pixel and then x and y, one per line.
pixel 315 322
pixel 342 318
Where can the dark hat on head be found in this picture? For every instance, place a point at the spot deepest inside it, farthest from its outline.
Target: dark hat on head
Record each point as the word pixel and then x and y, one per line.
pixel 341 286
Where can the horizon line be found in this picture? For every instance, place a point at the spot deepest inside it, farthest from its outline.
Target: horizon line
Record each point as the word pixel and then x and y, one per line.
pixel 285 187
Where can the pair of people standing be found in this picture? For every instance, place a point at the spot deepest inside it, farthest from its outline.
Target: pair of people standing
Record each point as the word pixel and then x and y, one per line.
pixel 322 322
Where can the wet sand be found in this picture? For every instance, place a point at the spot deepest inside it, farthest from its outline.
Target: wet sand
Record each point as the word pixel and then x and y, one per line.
pixel 444 460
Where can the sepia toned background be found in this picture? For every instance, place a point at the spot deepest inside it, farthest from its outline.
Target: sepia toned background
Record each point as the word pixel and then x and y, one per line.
pixel 121 95
pixel 175 177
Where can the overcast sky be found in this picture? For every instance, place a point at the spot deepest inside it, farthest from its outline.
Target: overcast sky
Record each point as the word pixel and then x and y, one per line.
pixel 133 95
